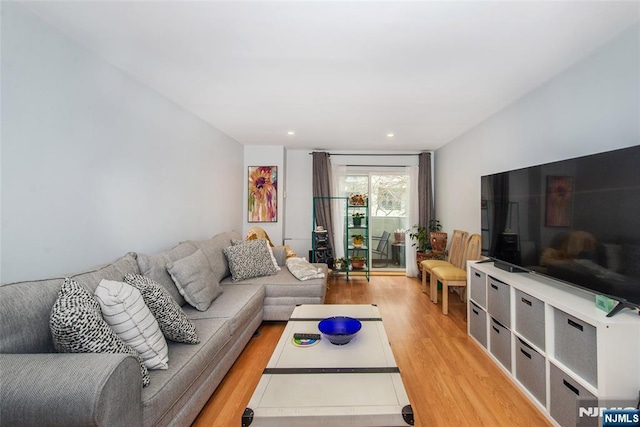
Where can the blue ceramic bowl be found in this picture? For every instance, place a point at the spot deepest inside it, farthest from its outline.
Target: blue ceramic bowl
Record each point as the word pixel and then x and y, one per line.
pixel 339 330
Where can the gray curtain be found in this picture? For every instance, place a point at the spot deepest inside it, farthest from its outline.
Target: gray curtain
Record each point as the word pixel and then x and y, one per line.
pixel 322 188
pixel 426 207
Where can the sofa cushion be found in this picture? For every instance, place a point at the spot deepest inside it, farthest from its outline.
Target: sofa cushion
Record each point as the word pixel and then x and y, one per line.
pixel 213 250
pixel 125 311
pixel 249 259
pixel 77 326
pixel 188 362
pixel 280 254
pixel 112 271
pixel 284 284
pixel 155 267
pixel 173 322
pixel 194 280
pixel 239 304
pixel 25 308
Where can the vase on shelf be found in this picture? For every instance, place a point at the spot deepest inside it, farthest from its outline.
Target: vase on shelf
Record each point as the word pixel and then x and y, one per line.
pixel 438 241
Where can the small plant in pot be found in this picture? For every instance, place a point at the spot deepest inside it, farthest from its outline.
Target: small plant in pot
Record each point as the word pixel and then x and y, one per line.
pixel 339 264
pixel 358 240
pixel 425 237
pixel 357 219
pixel 357 262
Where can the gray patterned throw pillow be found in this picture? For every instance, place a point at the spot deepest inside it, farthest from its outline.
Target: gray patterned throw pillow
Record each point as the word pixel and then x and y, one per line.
pixel 249 259
pixel 172 320
pixel 77 326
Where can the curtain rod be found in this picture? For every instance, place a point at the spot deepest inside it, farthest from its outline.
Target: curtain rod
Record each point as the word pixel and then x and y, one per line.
pixel 367 155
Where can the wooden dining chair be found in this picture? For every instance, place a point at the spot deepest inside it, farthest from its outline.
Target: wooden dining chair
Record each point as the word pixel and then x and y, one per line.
pixel 454 276
pixel 454 258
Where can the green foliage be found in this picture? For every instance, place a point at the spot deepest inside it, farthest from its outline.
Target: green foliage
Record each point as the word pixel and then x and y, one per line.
pixel 420 235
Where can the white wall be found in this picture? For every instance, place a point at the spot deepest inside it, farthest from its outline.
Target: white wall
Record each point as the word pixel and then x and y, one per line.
pixel 592 107
pixel 299 201
pixel 95 164
pixel 266 155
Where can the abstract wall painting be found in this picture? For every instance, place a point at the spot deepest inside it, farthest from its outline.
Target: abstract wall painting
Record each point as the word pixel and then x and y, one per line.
pixel 262 203
pixel 559 199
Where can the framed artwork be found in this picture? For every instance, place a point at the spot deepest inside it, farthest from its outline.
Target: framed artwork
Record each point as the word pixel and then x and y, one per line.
pixel 262 202
pixel 559 200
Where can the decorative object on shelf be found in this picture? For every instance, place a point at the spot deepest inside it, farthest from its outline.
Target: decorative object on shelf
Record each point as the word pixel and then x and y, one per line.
pixel 399 236
pixel 357 219
pixel 423 243
pixel 339 330
pixel 421 235
pixel 438 241
pixel 358 240
pixel 339 264
pixel 357 200
pixel 357 262
pixel 262 199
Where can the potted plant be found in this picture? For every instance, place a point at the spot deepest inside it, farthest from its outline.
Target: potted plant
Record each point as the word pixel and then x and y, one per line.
pixel 357 262
pixel 423 241
pixel 358 240
pixel 339 264
pixel 357 219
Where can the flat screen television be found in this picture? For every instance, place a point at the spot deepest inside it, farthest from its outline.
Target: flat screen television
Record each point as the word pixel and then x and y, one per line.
pixel 576 220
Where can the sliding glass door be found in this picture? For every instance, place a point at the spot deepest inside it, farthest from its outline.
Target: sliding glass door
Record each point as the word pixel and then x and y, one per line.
pixel 388 192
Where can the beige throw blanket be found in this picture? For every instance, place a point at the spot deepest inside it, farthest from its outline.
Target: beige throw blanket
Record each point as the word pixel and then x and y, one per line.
pixel 303 269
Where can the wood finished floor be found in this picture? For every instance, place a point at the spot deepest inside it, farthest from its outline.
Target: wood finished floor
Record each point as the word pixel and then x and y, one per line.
pixel 449 380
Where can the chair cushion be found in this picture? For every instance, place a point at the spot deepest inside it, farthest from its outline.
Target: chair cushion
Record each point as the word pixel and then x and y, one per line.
pixel 430 264
pixel 449 273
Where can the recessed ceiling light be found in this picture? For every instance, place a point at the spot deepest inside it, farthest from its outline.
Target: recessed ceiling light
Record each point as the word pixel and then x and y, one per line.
pixel 291 132
pixel 390 135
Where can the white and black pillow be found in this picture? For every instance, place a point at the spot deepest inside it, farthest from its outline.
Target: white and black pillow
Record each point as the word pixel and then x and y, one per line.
pixel 77 326
pixel 249 259
pixel 273 258
pixel 123 308
pixel 172 320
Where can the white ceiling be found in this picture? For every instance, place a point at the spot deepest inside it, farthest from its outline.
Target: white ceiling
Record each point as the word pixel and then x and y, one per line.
pixel 342 74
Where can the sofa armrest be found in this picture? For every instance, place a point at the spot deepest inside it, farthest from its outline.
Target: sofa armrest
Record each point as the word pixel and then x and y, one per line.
pixel 70 389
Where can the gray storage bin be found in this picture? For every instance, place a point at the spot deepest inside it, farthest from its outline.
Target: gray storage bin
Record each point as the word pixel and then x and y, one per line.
pixel 478 285
pixel 500 343
pixel 566 397
pixel 530 318
pixel 478 324
pixel 530 370
pixel 499 301
pixel 576 346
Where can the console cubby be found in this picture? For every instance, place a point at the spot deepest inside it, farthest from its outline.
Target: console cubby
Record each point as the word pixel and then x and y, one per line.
pixel 500 343
pixel 530 370
pixel 478 287
pixel 499 301
pixel 576 345
pixel 478 324
pixel 554 343
pixel 565 394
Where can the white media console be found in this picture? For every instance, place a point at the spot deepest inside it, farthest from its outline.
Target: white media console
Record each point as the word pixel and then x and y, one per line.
pixel 553 342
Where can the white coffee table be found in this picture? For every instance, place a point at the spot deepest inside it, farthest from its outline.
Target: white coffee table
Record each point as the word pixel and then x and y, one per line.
pixel 357 384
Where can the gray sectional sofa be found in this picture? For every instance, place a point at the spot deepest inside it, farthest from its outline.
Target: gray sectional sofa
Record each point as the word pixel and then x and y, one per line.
pixel 41 387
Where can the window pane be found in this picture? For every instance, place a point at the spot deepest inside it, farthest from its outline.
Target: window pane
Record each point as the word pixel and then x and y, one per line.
pixel 388 195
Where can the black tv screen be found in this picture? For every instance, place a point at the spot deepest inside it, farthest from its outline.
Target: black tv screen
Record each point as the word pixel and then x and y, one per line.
pixel 575 220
